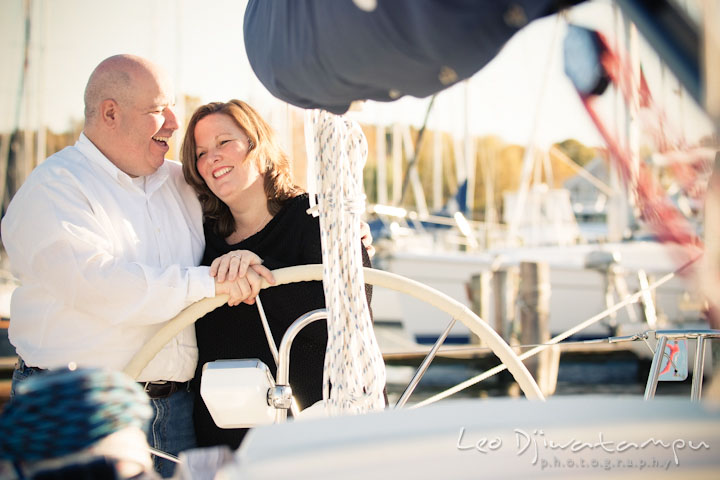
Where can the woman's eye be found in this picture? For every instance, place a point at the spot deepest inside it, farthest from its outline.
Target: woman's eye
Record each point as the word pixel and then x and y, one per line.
pixel 200 155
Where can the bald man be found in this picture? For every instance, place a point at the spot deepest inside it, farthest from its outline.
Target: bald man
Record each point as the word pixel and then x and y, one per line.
pixel 105 237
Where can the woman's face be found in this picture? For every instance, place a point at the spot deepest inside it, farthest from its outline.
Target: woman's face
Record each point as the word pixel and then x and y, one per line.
pixel 221 148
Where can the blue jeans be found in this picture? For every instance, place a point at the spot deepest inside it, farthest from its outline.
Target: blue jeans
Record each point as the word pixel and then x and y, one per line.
pixel 21 372
pixel 171 429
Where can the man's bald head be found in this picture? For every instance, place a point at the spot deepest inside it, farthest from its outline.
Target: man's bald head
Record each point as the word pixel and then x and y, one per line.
pixel 114 78
pixel 129 113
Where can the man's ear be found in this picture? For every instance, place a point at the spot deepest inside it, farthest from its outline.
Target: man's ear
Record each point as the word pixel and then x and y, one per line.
pixel 109 112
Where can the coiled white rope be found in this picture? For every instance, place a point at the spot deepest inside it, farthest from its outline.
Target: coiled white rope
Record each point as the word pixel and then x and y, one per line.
pixel 354 376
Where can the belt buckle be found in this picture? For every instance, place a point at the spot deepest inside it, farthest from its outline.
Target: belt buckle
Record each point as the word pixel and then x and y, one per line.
pixel 160 389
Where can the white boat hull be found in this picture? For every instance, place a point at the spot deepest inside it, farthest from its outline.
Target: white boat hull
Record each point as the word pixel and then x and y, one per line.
pixel 566 437
pixel 577 293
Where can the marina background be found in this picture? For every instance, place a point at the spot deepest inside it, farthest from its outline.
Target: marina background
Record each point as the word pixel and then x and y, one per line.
pixel 520 102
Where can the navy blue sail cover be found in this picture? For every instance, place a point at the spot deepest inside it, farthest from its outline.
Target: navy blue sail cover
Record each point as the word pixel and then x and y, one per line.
pixel 328 53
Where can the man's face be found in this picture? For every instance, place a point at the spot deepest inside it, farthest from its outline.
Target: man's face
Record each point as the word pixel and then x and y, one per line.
pixel 147 121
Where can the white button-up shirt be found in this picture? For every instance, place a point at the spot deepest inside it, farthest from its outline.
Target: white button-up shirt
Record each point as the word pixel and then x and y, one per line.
pixel 104 260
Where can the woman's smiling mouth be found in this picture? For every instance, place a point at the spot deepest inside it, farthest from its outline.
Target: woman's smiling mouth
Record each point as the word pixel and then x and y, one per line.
pixel 221 171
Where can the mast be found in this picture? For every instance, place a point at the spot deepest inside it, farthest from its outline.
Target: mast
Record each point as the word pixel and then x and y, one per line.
pixel 711 60
pixel 41 138
pixel 469 152
pixel 618 220
pixel 381 149
pixel 437 170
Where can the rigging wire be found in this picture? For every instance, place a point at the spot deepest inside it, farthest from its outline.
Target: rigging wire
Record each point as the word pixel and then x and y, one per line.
pixel 416 150
pixel 656 209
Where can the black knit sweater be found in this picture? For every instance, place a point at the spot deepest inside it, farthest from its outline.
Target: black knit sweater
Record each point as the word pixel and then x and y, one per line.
pixel 291 238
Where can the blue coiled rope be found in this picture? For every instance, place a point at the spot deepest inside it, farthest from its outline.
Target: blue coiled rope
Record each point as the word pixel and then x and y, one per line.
pixel 60 412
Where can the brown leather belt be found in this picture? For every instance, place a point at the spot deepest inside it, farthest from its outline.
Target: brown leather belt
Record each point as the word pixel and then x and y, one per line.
pixel 163 389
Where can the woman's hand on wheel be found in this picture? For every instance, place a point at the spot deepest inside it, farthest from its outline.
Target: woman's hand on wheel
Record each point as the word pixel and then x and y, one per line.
pixel 235 264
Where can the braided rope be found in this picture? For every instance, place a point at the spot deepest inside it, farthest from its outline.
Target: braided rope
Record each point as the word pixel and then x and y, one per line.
pixel 354 375
pixel 62 412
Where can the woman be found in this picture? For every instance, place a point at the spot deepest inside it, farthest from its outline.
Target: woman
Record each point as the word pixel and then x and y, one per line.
pixel 243 179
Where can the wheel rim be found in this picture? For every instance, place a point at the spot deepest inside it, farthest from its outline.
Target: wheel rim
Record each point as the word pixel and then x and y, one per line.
pixel 375 277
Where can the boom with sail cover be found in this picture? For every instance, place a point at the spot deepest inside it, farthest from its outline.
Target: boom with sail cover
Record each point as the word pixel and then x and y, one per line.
pixel 327 54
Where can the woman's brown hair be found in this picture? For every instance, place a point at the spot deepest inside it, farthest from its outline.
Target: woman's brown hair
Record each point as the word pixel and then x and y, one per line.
pixel 271 160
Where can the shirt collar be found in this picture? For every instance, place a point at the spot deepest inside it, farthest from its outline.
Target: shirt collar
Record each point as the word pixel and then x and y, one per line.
pixel 92 153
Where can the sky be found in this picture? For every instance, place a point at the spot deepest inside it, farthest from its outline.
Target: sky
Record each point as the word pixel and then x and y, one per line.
pixel 522 96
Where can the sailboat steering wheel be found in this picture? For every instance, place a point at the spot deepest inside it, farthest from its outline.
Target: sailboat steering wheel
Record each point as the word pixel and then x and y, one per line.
pixel 379 278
